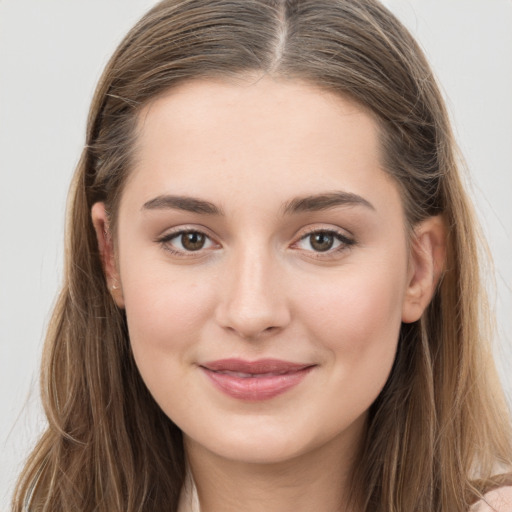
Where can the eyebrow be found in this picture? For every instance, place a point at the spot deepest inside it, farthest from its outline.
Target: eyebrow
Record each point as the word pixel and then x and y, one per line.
pixel 189 204
pixel 320 202
pixel 312 203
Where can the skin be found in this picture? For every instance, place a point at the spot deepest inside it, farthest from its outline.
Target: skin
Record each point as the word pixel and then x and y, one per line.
pixel 259 288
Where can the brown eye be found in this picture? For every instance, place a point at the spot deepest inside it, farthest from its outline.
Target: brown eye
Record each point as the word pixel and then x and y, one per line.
pixel 193 240
pixel 324 241
pixel 321 241
pixel 186 242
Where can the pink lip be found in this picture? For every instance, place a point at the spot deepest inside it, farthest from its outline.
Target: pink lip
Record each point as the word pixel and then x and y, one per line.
pixel 255 380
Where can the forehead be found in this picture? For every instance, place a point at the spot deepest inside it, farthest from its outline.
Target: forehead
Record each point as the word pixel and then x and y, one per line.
pixel 273 104
pixel 266 136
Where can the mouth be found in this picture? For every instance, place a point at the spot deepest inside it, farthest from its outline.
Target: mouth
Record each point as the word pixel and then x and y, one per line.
pixel 255 380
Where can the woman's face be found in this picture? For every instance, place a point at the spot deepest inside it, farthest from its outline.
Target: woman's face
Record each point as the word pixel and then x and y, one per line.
pixel 262 260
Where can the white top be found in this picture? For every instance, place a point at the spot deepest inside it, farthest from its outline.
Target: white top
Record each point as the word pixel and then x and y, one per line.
pixel 498 500
pixel 189 502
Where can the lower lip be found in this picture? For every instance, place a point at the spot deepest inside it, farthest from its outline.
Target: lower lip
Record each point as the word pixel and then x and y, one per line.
pixel 256 388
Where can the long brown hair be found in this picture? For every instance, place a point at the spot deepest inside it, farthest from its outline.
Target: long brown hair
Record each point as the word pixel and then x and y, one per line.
pixel 438 431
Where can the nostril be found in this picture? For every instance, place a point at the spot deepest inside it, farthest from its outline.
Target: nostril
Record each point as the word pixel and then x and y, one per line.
pixel 248 333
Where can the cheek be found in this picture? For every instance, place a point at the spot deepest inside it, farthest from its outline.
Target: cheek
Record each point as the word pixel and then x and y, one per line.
pixel 165 313
pixel 356 324
pixel 356 319
pixel 358 306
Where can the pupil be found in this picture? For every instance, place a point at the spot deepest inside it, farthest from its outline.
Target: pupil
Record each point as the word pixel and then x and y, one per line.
pixel 193 241
pixel 322 241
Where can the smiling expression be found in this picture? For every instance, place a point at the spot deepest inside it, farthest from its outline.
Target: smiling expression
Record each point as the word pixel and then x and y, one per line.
pixel 263 264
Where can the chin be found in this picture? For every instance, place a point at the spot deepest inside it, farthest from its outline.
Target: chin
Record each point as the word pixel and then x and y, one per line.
pixel 265 446
pixel 258 453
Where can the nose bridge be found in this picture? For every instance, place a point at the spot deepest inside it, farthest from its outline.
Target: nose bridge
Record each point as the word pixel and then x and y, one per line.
pixel 254 301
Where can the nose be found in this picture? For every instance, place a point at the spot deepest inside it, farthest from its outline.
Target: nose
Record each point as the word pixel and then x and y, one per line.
pixel 253 301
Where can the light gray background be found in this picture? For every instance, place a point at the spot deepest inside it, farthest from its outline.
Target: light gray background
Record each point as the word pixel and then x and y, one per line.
pixel 51 55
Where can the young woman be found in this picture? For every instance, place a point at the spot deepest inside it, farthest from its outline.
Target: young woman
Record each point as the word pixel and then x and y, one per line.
pixel 272 297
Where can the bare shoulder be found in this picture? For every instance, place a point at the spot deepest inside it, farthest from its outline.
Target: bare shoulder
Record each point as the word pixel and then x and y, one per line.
pixel 497 500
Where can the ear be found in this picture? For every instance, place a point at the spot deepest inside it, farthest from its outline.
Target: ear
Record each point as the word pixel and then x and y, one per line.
pixel 106 247
pixel 426 264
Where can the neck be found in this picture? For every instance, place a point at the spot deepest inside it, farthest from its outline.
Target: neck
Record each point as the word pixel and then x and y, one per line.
pixel 316 480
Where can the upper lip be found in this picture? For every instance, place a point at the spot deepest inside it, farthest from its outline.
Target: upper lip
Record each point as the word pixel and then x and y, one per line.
pixel 257 367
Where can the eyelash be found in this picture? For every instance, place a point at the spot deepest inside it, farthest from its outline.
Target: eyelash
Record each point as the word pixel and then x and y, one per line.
pixel 344 242
pixel 165 240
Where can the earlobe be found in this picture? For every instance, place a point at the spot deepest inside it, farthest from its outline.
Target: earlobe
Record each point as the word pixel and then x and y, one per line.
pixel 105 245
pixel 426 265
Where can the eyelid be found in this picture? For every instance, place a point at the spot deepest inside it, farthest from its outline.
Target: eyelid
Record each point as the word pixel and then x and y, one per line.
pixel 346 241
pixel 169 235
pixel 343 233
